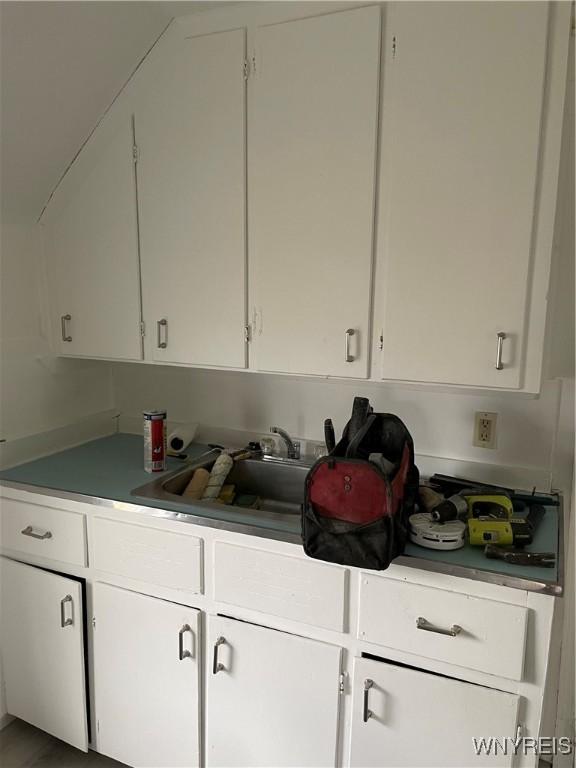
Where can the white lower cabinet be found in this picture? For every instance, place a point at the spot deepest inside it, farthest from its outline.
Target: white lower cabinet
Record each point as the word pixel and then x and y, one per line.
pixel 272 697
pixel 146 671
pixel 407 717
pixel 43 650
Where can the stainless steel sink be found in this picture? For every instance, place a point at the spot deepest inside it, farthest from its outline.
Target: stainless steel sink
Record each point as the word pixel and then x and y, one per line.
pixel 278 485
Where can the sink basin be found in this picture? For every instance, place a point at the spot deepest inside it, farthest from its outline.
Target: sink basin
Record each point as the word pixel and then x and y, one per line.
pixel 277 484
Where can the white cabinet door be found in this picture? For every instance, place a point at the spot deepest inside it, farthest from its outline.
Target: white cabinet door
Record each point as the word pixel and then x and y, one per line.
pixel 461 116
pixel 42 643
pixel 92 244
pixel 417 718
pixel 312 135
pixel 146 679
pixel 272 697
pixel 190 130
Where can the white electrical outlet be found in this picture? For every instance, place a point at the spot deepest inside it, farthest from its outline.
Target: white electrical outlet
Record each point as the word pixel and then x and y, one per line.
pixel 485 429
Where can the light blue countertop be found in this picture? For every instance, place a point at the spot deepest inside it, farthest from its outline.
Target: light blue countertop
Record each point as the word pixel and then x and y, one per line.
pixel 111 467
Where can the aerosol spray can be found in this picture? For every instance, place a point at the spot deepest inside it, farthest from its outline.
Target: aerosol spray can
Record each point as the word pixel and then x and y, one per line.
pixel 154 441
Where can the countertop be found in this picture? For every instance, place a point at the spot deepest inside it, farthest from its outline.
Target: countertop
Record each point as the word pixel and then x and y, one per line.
pixel 108 469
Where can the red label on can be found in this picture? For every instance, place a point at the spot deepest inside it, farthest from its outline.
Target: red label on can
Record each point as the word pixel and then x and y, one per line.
pixel 157 440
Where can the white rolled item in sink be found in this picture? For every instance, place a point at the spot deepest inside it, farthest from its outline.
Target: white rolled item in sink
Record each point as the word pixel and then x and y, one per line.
pixel 181 437
pixel 218 475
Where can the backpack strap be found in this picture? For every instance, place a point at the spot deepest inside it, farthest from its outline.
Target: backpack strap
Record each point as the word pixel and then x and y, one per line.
pixel 352 449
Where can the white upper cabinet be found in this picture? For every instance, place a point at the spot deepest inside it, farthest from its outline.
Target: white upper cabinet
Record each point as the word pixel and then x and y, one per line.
pixel 92 251
pixel 457 233
pixel 312 146
pixel 190 132
pixel 298 203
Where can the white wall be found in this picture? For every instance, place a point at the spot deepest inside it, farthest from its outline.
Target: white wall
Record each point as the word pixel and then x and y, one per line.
pixel 38 392
pixel 62 65
pixel 440 422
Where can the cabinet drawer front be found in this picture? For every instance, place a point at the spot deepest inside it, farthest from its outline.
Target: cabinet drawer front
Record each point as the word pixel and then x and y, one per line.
pixel 280 585
pixel 164 558
pixel 485 635
pixel 33 529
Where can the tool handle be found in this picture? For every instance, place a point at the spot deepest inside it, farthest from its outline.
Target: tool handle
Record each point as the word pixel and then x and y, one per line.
pixel 515 557
pixel 329 436
pixel 360 411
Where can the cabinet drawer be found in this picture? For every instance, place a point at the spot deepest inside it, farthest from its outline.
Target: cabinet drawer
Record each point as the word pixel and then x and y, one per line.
pixel 280 585
pixel 164 558
pixel 33 529
pixel 488 635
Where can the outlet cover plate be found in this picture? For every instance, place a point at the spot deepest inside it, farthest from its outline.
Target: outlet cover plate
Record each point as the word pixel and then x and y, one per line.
pixel 485 429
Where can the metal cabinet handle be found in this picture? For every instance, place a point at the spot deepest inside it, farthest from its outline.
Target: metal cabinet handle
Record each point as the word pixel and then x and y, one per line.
pixel 29 531
pixel 347 356
pixel 500 336
pixel 64 622
pixel 216 665
pixel 162 337
pixel 422 623
pixel 182 654
pixel 63 320
pixel 367 713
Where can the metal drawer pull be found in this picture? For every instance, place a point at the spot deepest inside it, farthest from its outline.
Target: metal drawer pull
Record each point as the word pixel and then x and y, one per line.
pixel 162 324
pixel 29 531
pixel 64 622
pixel 65 319
pixel 347 356
pixel 501 336
pixel 423 624
pixel 216 665
pixel 367 713
pixel 182 654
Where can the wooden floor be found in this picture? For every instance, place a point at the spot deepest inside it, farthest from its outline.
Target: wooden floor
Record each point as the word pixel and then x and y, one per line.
pixel 23 746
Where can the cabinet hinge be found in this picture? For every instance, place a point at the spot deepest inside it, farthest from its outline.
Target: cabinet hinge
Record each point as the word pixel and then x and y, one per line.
pixel 135 153
pixel 93 622
pixel 381 341
pixel 341 683
pixel 394 47
pixel 247 334
pixel 142 328
pixel 246 69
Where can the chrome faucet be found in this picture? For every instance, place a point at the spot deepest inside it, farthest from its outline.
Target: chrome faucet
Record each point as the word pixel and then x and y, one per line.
pixel 292 446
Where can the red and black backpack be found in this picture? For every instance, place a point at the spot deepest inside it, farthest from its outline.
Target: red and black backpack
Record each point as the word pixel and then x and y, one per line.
pixel 356 511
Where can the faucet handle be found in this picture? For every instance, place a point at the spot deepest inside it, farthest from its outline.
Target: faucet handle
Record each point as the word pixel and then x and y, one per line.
pixel 296 444
pixel 268 445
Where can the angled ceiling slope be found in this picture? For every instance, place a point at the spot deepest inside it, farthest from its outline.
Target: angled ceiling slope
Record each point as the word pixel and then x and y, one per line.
pixel 62 64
